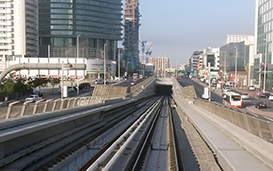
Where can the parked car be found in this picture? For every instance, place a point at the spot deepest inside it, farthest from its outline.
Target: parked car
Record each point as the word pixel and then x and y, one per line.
pixel 270 97
pixel 33 98
pixel 265 95
pixel 260 105
pixel 251 88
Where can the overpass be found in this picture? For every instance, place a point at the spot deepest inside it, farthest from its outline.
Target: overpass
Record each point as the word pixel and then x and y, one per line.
pixel 233 140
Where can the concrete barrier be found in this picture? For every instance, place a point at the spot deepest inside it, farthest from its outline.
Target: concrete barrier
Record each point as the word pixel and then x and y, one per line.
pixel 10 108
pixel 14 141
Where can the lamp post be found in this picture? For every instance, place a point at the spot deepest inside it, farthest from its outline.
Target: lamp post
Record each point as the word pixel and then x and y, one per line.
pixel 265 56
pixel 119 64
pixel 225 67
pixel 104 63
pixel 62 81
pixel 78 90
pixel 236 65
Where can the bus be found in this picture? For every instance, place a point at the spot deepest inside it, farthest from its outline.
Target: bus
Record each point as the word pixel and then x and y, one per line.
pixel 232 99
pixel 135 77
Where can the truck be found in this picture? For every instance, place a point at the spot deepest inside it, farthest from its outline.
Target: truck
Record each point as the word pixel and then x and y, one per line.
pixel 205 95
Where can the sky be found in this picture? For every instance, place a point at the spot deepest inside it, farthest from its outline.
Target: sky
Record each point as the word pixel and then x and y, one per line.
pixel 179 27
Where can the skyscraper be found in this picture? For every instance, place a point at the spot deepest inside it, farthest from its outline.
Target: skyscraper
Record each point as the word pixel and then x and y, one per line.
pixel 131 31
pixel 18 28
pixel 263 44
pixel 84 25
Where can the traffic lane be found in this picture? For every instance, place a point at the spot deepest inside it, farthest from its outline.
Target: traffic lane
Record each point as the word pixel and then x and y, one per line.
pixel 199 89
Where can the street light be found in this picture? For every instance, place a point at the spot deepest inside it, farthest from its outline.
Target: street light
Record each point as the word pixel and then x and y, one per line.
pixel 78 90
pixel 104 63
pixel 236 65
pixel 119 64
pixel 265 56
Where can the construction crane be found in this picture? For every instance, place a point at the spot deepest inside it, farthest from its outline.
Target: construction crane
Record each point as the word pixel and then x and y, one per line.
pixel 147 52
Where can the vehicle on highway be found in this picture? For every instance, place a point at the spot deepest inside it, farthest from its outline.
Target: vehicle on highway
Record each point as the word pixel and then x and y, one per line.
pixel 265 95
pixel 261 105
pixel 205 95
pixel 135 77
pixel 99 81
pixel 232 99
pixel 225 89
pixel 244 95
pixel 251 88
pixel 33 98
pixel 270 97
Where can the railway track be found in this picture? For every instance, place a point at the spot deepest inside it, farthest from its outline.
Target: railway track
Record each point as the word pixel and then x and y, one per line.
pixel 149 144
pixel 52 152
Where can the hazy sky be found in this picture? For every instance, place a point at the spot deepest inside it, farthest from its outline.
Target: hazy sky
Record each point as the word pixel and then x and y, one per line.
pixel 179 27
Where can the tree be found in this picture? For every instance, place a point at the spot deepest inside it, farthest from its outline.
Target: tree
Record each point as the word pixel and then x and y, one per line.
pixel 54 81
pixel 20 87
pixel 37 82
pixel 8 86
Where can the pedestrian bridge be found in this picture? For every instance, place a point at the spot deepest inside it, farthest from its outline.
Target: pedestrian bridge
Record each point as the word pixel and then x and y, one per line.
pixel 233 139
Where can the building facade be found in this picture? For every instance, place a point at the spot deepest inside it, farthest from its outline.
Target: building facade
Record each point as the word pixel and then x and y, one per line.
pixel 238 57
pixel 263 44
pixel 79 28
pixel 131 32
pixel 161 64
pixel 18 28
pixel 194 62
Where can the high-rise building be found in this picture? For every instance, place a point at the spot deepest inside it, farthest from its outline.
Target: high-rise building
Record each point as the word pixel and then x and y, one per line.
pixel 85 25
pixel 161 64
pixel 131 32
pixel 263 44
pixel 18 28
pixel 194 61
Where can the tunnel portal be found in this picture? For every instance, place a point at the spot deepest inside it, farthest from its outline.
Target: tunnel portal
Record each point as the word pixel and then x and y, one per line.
pixel 164 89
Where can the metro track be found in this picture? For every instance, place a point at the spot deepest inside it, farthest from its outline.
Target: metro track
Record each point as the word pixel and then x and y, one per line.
pixel 54 150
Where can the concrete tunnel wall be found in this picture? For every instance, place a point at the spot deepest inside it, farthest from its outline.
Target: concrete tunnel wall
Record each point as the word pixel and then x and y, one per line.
pixel 164 89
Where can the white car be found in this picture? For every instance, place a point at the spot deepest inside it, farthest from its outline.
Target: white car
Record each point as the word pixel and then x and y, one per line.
pixel 244 96
pixel 251 88
pixel 270 97
pixel 33 98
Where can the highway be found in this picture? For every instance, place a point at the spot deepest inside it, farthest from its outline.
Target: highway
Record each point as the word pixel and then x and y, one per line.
pixel 199 88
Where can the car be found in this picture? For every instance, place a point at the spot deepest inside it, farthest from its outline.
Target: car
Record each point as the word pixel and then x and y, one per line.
pixel 259 105
pixel 33 98
pixel 225 89
pixel 251 88
pixel 244 96
pixel 265 95
pixel 99 81
pixel 270 97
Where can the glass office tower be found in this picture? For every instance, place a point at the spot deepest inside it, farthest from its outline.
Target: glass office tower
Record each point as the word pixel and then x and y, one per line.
pixel 68 26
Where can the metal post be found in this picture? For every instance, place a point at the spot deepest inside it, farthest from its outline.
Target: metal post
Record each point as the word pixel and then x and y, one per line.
pixel 48 51
pixel 78 90
pixel 209 83
pixel 265 56
pixel 236 66
pixel 62 81
pixel 119 64
pixel 104 62
pixel 225 68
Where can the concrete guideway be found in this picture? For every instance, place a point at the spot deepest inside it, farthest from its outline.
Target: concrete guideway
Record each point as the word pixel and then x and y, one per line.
pixel 231 155
pixel 235 148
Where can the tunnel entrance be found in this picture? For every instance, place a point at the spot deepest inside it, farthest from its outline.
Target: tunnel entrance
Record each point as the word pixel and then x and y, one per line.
pixel 164 89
